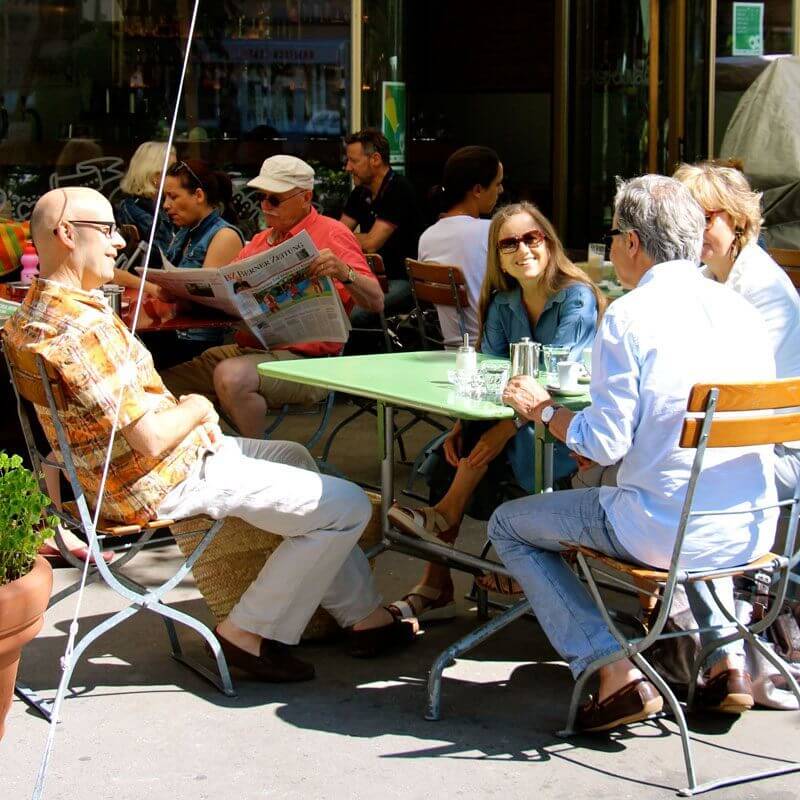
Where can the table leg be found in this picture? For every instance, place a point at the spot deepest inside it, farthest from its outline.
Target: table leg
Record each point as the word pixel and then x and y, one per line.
pixel 549 450
pixel 543 460
pixel 386 436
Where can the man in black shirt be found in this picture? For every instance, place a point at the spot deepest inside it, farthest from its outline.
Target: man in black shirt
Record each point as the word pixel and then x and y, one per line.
pixel 383 206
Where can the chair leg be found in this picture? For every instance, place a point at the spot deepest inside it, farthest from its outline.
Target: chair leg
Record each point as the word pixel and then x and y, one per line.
pixel 677 713
pixel 41 706
pixel 326 450
pixel 471 640
pixel 223 682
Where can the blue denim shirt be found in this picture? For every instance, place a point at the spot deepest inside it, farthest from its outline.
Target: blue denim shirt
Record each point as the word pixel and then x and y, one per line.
pixel 569 319
pixel 138 211
pixel 188 250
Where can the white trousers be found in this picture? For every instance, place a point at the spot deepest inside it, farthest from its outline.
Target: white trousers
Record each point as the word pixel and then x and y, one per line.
pixel 275 486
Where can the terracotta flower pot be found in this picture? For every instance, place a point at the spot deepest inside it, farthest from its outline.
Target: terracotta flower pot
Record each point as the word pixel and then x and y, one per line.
pixel 22 604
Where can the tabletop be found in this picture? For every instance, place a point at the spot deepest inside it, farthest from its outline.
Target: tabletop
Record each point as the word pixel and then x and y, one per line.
pixel 414 380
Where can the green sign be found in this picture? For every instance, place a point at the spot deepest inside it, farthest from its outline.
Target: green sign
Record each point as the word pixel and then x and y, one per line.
pixel 748 29
pixel 393 116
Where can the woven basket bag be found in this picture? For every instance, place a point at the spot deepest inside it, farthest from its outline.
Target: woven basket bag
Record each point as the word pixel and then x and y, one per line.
pixel 236 556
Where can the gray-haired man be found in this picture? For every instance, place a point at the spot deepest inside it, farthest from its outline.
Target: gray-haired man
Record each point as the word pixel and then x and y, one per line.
pixel 673 330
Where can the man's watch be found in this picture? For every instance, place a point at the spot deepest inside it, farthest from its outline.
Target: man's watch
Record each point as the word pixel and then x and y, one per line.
pixel 351 276
pixel 548 412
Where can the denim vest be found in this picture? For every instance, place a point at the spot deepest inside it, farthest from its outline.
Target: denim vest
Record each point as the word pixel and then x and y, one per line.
pixel 188 250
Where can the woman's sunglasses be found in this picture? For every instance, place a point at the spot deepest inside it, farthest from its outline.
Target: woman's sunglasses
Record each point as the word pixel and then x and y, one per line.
pixel 509 244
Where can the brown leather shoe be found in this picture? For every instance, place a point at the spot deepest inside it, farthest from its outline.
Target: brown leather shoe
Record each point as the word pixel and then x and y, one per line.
pixel 730 692
pixel 376 641
pixel 273 664
pixel 635 701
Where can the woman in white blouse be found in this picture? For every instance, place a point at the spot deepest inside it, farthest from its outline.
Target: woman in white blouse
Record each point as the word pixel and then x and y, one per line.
pixel 732 256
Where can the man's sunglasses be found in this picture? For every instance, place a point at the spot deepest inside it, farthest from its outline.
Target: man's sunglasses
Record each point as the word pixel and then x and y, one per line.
pixel 509 244
pixel 274 201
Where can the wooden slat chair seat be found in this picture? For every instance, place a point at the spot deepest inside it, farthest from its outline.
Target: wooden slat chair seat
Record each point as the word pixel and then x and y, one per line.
pixel 109 527
pixel 36 383
pixel 715 419
pixel 766 562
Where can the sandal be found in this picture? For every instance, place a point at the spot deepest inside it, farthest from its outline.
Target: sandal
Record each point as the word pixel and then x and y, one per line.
pixel 499 584
pixel 436 607
pixel 422 523
pixel 376 641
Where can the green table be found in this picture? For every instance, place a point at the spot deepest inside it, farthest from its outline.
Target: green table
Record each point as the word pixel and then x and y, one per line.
pixel 419 381
pixel 409 380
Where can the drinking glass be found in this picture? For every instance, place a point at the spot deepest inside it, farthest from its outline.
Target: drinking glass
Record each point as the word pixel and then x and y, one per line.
pixel 495 378
pixel 552 356
pixel 595 256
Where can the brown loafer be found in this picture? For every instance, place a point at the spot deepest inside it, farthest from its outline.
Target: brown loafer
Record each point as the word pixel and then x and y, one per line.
pixel 376 641
pixel 730 692
pixel 273 664
pixel 634 702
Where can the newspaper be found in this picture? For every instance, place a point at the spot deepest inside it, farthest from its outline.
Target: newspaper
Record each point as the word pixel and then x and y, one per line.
pixel 270 292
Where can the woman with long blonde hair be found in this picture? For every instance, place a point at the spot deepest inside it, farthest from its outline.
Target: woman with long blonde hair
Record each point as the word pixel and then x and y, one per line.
pixel 530 289
pixel 732 256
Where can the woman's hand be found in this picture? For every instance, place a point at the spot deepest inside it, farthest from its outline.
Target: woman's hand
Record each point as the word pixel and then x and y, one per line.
pixel 452 445
pixel 491 444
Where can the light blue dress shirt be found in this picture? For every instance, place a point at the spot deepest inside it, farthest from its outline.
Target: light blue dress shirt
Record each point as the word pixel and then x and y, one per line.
pixel 674 330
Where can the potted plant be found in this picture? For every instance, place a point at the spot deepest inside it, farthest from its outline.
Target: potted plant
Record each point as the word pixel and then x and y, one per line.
pixel 25 577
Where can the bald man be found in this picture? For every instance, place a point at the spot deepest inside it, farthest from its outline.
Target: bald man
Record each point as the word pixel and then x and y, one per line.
pixel 170 458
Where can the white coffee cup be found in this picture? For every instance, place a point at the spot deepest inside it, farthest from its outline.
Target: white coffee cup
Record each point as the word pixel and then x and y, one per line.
pixel 568 374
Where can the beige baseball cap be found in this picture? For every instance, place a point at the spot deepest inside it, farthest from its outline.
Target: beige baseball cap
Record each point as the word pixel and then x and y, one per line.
pixel 282 173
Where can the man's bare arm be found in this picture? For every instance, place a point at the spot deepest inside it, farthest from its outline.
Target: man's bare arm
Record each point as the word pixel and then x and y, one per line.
pixel 157 432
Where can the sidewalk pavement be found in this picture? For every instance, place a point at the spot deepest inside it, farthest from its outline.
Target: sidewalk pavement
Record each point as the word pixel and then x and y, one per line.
pixel 142 726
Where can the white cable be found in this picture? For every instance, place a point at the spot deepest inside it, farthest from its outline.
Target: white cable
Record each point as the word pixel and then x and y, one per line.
pixel 73 628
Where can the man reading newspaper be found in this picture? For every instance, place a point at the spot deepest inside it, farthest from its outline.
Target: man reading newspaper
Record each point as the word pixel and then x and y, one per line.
pixel 227 375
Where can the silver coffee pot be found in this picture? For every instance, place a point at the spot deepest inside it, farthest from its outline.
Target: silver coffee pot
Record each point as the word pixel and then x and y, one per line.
pixel 524 356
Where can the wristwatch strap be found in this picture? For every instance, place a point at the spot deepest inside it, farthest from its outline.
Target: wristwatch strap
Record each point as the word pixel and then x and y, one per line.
pixel 351 277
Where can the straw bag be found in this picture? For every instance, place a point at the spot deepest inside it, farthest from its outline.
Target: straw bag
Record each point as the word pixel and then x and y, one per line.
pixel 236 556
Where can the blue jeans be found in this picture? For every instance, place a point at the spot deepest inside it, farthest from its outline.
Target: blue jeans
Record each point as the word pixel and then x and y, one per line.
pixel 527 535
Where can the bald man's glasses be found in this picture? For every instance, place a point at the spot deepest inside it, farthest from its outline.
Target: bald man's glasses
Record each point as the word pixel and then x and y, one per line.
pixel 108 229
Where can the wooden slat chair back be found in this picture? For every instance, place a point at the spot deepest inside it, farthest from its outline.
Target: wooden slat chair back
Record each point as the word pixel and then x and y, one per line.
pixel 718 416
pixel 436 284
pixel 36 383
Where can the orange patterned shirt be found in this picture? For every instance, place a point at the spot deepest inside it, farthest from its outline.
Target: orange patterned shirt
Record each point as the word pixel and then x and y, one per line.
pixel 101 365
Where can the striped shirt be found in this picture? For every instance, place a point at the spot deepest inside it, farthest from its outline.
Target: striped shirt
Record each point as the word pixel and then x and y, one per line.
pixel 101 364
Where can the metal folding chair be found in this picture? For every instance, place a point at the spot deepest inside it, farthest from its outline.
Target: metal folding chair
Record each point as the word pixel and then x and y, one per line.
pixel 363 406
pixel 37 384
pixel 722 424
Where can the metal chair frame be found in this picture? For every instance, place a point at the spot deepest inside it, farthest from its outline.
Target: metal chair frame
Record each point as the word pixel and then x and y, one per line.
pixel 43 384
pixel 701 434
pixel 364 406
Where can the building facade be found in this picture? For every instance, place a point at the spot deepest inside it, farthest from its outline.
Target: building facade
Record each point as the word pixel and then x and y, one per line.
pixel 571 93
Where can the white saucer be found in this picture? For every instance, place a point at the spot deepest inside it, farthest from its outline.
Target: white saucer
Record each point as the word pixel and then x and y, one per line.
pixel 579 392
